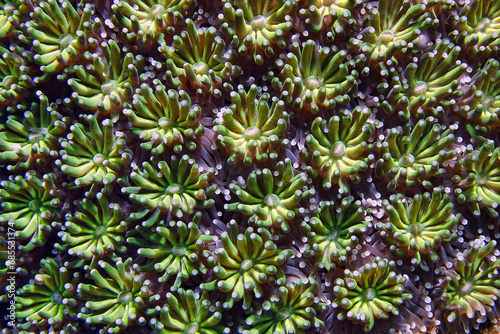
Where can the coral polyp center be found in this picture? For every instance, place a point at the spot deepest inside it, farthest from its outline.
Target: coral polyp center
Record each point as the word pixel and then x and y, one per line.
pixel 157 11
pixel 338 150
pixel 174 189
pixel 258 23
pixel 125 297
pixel 407 160
pixel 57 298
pixel 369 295
pixel 313 82
pixel 201 68
pixel 35 205
pixel 110 87
pixel 272 201
pixel 192 328
pixel 420 88
pixel 285 313
pixel 466 288
pixel 99 159
pixel 246 265
pixel 65 41
pixel 252 132
pixel 179 250
pixel 101 230
pixel 386 36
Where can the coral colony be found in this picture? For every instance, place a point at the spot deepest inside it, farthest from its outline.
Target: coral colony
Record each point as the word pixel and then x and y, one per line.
pixel 252 167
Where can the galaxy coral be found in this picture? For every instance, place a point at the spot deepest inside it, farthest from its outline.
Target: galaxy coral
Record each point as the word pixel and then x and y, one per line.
pixel 262 166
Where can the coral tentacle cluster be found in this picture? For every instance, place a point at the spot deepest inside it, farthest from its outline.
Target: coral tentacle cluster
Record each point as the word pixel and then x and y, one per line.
pixel 250 167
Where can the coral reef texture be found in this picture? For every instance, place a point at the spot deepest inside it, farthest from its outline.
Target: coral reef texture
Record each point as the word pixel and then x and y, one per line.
pixel 249 166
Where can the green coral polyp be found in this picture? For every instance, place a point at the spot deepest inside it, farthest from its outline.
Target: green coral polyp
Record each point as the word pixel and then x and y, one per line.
pixel 244 263
pixel 411 156
pixel 331 15
pixel 178 187
pixel 271 200
pixel 417 229
pixel 15 79
pixel 49 301
pixel 165 119
pixel 188 312
pixel 471 286
pixel 60 34
pixel 257 26
pixel 95 230
pixel 337 150
pixel 118 300
pixel 94 155
pixel 251 130
pixel 292 310
pixel 198 60
pixel 390 28
pixel 313 77
pixel 425 88
pixel 476 27
pixel 147 21
pixel 481 101
pixel 8 18
pixel 174 250
pixel 371 293
pixel 478 181
pixel 333 232
pixel 32 139
pixel 30 205
pixel 108 82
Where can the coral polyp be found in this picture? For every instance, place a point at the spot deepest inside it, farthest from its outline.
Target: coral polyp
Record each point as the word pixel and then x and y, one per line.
pixel 330 16
pixel 390 27
pixel 271 199
pixel 60 33
pixel 337 150
pixel 30 205
pixel 246 262
pixel 32 139
pixel 427 87
pixel 146 21
pixel 311 77
pixel 118 301
pixel 15 79
pixel 108 82
pixel 333 232
pixel 417 228
pixel 95 230
pixel 175 250
pixel 197 59
pixel 190 312
pixel 476 27
pixel 293 309
pixel 481 102
pixel 478 181
pixel 471 286
pixel 251 130
pixel 373 292
pixel 165 119
pixel 49 302
pixel 7 18
pixel 94 154
pixel 257 27
pixel 176 187
pixel 411 156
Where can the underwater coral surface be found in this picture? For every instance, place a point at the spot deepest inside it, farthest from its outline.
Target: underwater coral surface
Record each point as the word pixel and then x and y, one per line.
pixel 252 167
